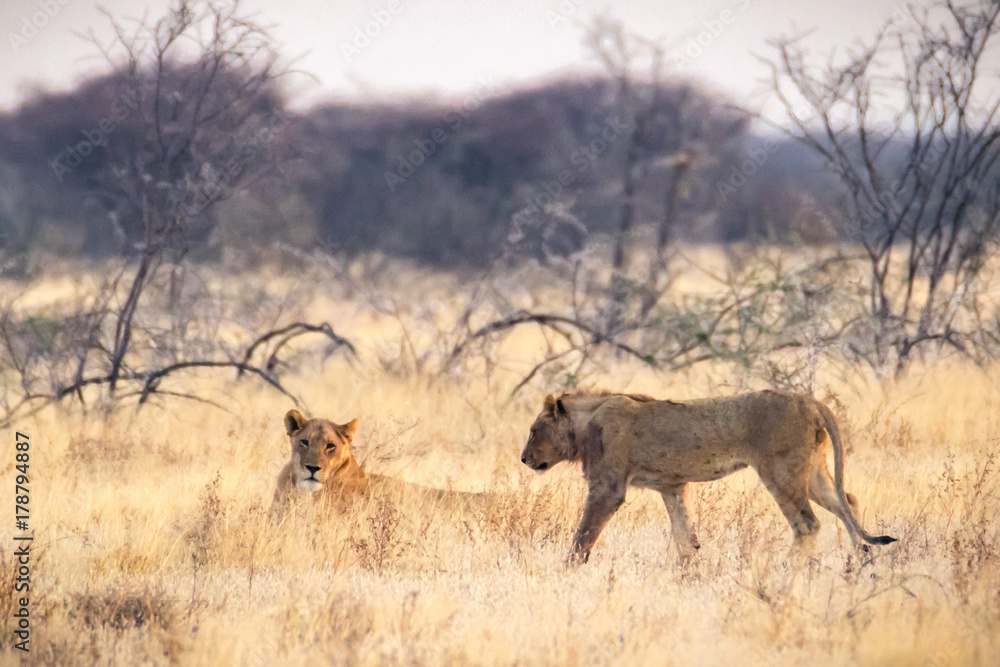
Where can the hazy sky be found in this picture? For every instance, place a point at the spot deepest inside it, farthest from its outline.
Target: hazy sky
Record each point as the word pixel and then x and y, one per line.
pixel 451 47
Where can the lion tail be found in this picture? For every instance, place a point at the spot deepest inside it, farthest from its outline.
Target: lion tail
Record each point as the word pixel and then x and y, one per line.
pixel 830 424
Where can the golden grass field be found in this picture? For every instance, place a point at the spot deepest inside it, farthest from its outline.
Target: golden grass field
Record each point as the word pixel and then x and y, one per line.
pixel 153 543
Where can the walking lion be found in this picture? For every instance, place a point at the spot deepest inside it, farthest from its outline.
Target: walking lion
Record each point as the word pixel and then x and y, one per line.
pixel 633 439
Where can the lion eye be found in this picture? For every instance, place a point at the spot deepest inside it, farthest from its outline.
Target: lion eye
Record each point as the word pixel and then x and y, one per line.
pixel 330 446
pixel 304 443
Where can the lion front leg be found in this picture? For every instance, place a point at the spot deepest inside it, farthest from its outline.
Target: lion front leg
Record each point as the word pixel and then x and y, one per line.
pixel 603 500
pixel 677 501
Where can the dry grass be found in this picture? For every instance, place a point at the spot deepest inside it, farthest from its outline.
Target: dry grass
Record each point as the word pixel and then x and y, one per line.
pixel 154 543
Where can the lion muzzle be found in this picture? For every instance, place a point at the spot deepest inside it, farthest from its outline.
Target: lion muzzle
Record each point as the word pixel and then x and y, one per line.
pixel 537 467
pixel 310 482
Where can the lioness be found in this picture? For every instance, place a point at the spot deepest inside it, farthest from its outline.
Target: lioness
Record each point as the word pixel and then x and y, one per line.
pixel 624 439
pixel 323 466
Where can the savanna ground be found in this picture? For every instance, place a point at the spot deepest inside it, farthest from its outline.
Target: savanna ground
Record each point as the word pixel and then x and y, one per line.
pixel 153 542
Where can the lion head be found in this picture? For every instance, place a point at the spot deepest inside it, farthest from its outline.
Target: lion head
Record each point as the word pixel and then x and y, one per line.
pixel 319 448
pixel 550 440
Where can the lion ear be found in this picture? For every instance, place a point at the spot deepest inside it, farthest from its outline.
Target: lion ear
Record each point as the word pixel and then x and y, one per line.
pixel 294 421
pixel 350 428
pixel 561 408
pixel 549 405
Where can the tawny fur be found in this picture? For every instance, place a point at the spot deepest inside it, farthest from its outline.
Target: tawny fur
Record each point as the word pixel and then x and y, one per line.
pixel 323 468
pixel 626 440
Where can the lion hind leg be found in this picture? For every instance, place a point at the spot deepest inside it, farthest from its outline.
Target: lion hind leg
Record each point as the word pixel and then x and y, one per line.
pixel 677 500
pixel 823 492
pixel 793 500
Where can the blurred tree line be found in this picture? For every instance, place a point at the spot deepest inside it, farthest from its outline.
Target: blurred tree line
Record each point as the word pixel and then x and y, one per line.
pixel 436 182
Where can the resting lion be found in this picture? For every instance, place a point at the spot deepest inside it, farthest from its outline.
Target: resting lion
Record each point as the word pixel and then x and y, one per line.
pixel 631 439
pixel 323 466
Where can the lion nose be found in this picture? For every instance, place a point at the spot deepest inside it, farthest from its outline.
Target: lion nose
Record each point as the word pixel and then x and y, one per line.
pixel 524 460
pixel 312 469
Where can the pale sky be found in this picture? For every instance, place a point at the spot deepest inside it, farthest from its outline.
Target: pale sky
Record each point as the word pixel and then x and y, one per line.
pixel 452 48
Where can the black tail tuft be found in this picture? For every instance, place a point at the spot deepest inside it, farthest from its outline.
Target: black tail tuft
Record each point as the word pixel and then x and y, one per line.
pixel 883 539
